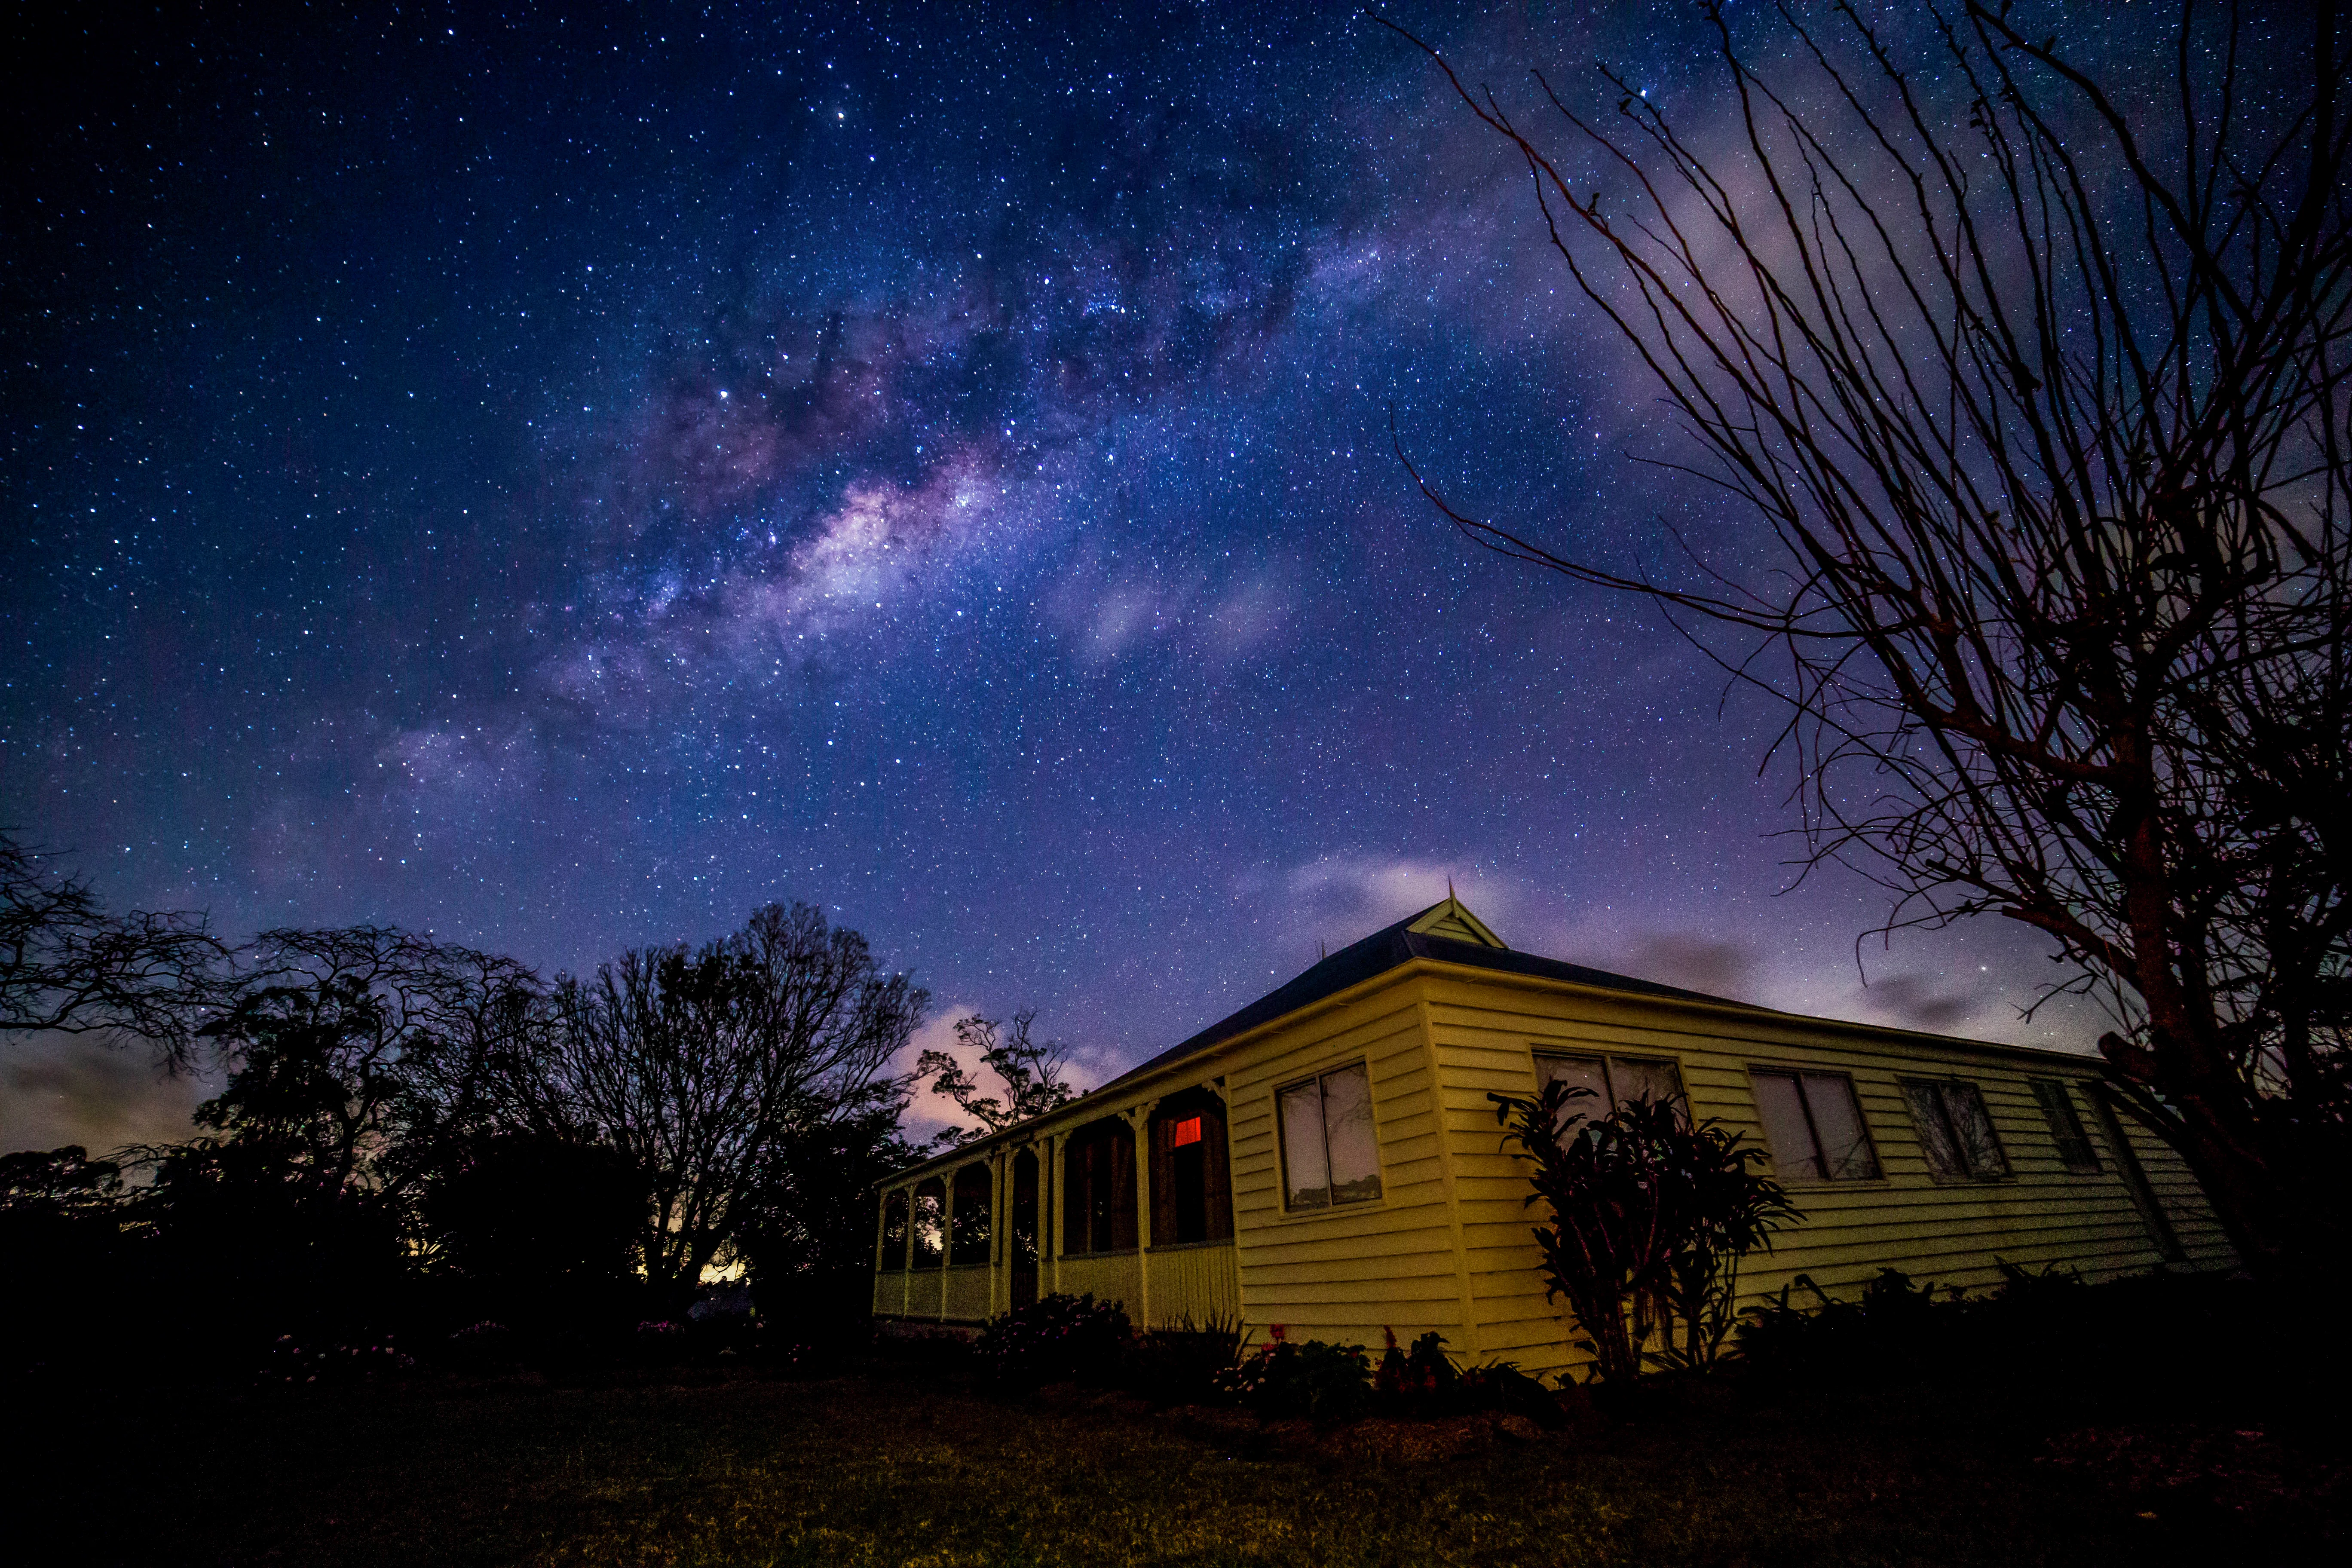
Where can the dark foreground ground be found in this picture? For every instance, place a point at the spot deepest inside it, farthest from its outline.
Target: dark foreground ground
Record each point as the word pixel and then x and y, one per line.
pixel 885 1466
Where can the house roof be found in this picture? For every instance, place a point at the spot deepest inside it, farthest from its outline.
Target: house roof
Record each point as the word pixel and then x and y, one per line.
pixel 1446 932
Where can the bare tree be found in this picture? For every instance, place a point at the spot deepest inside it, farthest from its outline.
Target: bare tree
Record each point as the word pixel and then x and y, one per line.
pixel 1030 1071
pixel 355 1053
pixel 69 965
pixel 2039 385
pixel 698 1063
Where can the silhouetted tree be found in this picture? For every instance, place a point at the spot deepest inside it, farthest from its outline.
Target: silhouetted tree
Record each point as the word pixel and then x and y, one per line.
pixel 2039 385
pixel 354 1059
pixel 807 1227
pixel 1030 1071
pixel 69 965
pixel 276 1216
pixel 537 1232
pixel 698 1064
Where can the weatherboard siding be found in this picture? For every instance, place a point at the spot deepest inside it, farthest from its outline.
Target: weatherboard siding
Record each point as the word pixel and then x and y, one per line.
pixel 1345 1274
pixel 1105 1276
pixel 1197 1283
pixel 1957 1233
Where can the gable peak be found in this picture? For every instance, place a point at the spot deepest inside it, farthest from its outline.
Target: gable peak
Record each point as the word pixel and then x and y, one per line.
pixel 1453 920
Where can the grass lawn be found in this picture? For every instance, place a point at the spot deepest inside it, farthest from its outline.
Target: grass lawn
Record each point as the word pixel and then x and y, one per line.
pixel 883 1468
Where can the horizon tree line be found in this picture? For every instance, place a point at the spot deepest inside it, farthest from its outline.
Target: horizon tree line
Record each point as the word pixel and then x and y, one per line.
pixel 402 1114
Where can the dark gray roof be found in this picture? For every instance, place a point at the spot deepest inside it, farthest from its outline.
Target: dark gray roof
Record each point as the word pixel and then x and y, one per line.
pixel 1377 954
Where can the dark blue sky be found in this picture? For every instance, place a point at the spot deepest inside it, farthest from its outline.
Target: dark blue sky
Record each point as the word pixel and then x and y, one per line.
pixel 562 481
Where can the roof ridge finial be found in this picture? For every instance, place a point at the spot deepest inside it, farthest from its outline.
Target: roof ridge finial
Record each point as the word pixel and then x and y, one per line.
pixel 1449 888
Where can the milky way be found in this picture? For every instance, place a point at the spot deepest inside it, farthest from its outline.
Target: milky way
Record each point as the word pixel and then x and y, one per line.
pixel 562 482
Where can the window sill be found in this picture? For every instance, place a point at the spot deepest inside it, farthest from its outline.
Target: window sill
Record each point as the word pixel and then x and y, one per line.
pixel 1368 1205
pixel 1114 1252
pixel 1189 1245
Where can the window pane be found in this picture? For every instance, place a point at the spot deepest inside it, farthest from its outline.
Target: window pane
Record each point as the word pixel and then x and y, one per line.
pixel 1785 1132
pixel 1347 1129
pixel 930 1223
pixel 1964 1104
pixel 1846 1154
pixel 2066 1128
pixel 1075 1197
pixel 1577 1072
pixel 1118 1187
pixel 1303 1163
pixel 971 1230
pixel 1643 1081
pixel 1938 1142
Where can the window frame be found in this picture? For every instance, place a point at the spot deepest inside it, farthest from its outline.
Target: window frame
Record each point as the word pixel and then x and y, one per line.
pixel 1539 1051
pixel 969 1246
pixel 1970 1176
pixel 1081 1170
pixel 1821 1175
pixel 894 1261
pixel 2056 1100
pixel 1330 1205
pixel 932 1189
pixel 1210 1152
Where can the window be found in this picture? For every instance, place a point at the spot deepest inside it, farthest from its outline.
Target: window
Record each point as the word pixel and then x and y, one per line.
pixel 1191 1193
pixel 968 1220
pixel 894 1230
pixel 1098 1197
pixel 1813 1126
pixel 1955 1130
pixel 1615 1081
pixel 2074 1151
pixel 1330 1154
pixel 930 1223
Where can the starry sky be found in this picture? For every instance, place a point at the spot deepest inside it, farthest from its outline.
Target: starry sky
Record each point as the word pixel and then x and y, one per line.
pixel 561 479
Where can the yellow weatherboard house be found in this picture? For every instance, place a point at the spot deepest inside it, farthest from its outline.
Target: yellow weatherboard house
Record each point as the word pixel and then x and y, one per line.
pixel 1326 1158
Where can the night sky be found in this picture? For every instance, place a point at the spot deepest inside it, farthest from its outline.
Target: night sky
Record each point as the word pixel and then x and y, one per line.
pixel 562 482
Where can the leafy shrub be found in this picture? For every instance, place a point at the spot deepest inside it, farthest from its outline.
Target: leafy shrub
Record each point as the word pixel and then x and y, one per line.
pixel 1056 1339
pixel 1893 1325
pixel 1284 1379
pixel 1650 1215
pixel 1501 1386
pixel 1180 1366
pixel 1423 1374
pixel 1425 1381
pixel 1896 1328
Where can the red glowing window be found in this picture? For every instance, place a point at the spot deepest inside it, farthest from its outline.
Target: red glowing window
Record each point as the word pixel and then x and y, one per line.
pixel 1186 1131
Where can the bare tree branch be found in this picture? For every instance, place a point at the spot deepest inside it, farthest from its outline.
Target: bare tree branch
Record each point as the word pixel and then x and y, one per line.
pixel 2040 388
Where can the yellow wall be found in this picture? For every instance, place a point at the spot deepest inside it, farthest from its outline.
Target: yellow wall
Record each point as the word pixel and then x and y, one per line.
pixel 1448 1244
pixel 1344 1273
pixel 1485 1034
